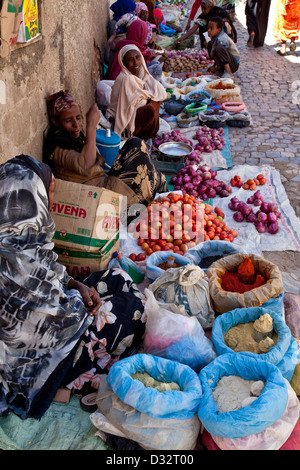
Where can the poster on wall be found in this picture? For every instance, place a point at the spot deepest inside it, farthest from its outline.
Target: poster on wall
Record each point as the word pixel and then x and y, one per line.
pixel 29 27
pixel 11 17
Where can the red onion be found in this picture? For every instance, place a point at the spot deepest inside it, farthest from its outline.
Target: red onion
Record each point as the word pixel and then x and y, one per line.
pixel 273 228
pixel 257 195
pixel 186 179
pixel 257 202
pixel 272 217
pixel 238 216
pixel 251 217
pixel 211 192
pixel 272 207
pixel 206 175
pixel 261 216
pixel 246 210
pixel 264 207
pixel 260 227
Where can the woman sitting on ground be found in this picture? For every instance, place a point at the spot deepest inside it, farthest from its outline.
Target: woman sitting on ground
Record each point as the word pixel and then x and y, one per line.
pixel 73 156
pixel 47 317
pixel 137 34
pixel 136 97
pixel 210 10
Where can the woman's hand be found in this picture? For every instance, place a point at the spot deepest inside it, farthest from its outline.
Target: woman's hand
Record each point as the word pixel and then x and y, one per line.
pixel 92 119
pixel 89 295
pixel 92 116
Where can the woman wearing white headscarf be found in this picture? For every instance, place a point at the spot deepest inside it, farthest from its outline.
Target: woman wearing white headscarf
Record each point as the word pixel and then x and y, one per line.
pixel 136 97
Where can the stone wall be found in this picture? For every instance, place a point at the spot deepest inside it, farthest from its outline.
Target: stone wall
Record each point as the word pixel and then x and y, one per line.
pixel 68 55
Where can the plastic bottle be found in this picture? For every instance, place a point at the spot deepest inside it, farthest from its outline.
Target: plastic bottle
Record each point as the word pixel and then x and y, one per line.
pixel 134 271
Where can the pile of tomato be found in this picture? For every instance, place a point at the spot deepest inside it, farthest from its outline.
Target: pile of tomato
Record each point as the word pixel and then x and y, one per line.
pixel 250 183
pixel 177 223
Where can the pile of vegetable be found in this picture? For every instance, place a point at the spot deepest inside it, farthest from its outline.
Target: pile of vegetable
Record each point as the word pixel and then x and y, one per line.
pixel 251 183
pixel 209 139
pixel 177 223
pixel 200 181
pixel 173 136
pixel 183 61
pixel 265 219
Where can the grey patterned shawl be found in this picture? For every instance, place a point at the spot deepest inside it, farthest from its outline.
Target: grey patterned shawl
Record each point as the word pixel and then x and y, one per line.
pixel 40 322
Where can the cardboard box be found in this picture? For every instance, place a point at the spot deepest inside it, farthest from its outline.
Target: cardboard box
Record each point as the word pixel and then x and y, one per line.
pixel 87 226
pixel 79 264
pixel 29 27
pixel 11 17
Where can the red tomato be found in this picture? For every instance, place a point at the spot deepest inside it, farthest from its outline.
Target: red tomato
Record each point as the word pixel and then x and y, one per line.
pixel 141 257
pixel 149 251
pixel 141 241
pixel 132 256
pixel 144 246
pixel 156 248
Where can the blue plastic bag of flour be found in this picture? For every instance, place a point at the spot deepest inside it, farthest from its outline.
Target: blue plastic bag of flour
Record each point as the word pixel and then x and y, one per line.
pixel 181 404
pixel 284 354
pixel 254 418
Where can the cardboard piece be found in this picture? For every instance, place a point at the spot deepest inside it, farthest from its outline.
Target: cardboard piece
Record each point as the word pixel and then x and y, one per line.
pixel 29 27
pixel 87 226
pixel 11 16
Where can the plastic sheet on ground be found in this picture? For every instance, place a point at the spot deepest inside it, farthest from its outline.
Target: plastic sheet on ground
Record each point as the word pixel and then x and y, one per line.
pixel 62 427
pixel 288 235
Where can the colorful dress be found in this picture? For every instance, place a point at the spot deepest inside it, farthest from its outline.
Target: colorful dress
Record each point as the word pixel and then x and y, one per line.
pixel 287 20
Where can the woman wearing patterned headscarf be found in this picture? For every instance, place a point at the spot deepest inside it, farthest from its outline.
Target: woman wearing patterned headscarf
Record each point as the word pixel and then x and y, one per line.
pixel 46 316
pixel 74 155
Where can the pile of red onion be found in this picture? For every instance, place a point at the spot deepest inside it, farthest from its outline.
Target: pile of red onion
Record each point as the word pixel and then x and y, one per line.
pixel 173 136
pixel 209 139
pixel 200 181
pixel 265 219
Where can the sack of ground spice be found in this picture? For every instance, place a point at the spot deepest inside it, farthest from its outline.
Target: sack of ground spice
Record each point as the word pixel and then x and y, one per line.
pixel 283 434
pixel 247 419
pixel 234 332
pixel 155 419
pixel 228 291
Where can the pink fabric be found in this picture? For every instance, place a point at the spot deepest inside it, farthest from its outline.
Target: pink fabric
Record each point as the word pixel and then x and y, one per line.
pixel 136 34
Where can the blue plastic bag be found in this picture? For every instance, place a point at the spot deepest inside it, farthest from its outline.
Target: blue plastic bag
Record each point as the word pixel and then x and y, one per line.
pixel 166 30
pixel 159 257
pixel 252 419
pixel 181 404
pixel 284 355
pixel 212 248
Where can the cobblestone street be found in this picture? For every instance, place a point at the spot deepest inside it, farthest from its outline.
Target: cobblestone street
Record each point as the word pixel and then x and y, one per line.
pixel 270 88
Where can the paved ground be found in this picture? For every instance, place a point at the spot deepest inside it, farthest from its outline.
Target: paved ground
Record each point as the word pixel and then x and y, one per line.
pixel 270 87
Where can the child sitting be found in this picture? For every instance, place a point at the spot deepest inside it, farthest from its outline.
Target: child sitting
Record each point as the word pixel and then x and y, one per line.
pixel 222 49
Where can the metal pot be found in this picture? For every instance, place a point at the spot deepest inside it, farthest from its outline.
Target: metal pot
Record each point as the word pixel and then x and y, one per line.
pixel 174 151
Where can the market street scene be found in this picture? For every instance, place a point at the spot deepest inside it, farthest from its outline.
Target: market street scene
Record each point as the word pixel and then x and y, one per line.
pixel 150 227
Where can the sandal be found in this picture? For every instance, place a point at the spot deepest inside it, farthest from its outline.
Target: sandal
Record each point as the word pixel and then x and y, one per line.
pixel 88 402
pixel 281 53
pixel 292 46
pixel 250 41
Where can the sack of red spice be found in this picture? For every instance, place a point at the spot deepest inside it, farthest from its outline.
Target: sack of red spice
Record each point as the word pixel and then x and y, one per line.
pixel 270 287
